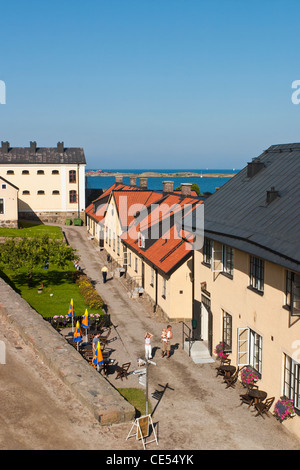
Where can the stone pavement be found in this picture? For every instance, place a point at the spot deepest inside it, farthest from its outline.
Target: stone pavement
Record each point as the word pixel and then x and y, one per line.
pixel 195 411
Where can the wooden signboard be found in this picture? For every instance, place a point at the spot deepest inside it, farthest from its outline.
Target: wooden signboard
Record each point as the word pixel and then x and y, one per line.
pixel 143 427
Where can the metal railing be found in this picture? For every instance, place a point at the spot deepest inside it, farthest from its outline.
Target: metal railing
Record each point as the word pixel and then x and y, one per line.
pixel 187 335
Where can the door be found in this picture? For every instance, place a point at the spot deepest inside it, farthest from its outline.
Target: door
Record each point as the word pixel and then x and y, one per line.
pixel 197 321
pixel 143 275
pixel 206 322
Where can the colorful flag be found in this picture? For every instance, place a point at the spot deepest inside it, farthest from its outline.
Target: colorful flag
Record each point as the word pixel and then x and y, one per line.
pixel 71 312
pixel 85 320
pixel 98 358
pixel 77 334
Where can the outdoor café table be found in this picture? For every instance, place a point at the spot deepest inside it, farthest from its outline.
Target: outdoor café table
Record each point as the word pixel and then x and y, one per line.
pixel 258 395
pixel 228 369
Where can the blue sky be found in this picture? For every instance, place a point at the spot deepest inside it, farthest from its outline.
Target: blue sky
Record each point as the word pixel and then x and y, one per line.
pixel 151 83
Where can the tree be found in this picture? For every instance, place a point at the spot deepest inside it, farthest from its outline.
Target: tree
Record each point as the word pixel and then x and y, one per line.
pixel 33 253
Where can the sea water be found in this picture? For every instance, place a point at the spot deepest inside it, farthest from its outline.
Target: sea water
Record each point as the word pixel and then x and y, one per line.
pixel 206 184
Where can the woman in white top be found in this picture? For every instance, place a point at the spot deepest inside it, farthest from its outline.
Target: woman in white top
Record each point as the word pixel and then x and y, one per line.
pixel 148 349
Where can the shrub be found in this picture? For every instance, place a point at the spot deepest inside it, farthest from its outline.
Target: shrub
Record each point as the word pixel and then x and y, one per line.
pixel 90 295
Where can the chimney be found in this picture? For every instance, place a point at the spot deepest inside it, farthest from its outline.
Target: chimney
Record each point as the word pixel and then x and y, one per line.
pixel 33 147
pixel 119 179
pixel 60 147
pixel 186 189
pixel 168 186
pixel 272 195
pixel 143 183
pixel 4 147
pixel 132 180
pixel 254 167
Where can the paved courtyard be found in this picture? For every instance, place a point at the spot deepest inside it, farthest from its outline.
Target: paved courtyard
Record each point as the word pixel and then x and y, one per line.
pixel 194 412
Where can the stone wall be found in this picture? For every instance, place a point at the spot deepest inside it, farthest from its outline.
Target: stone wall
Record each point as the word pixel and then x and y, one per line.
pixel 52 217
pixel 88 385
pixel 9 224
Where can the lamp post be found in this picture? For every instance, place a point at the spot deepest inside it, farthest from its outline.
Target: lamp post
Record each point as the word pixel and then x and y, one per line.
pixel 147 366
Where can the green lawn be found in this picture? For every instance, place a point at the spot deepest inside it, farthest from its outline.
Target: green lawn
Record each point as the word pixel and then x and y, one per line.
pixel 137 398
pixel 32 230
pixel 59 289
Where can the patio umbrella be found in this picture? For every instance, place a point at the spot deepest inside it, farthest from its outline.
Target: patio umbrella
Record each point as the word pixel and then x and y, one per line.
pixel 77 337
pixel 71 313
pixel 98 357
pixel 85 322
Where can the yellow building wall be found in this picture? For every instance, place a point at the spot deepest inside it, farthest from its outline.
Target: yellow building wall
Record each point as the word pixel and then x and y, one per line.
pixel 9 194
pixel 263 314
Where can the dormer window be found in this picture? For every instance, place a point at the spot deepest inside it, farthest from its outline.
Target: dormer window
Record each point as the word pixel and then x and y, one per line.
pixel 141 240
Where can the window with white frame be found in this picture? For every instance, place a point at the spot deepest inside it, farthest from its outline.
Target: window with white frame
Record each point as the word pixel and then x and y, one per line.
pixel 227 259
pixel 291 386
pixel 129 258
pixel 250 349
pixel 207 251
pixel 293 292
pixel 227 330
pixel 257 273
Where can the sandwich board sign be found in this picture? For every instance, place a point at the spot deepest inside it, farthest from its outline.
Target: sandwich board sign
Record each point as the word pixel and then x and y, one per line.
pixel 142 426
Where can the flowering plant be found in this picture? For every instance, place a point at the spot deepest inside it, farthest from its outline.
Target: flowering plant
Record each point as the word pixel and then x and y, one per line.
pixel 249 376
pixel 220 350
pixel 284 408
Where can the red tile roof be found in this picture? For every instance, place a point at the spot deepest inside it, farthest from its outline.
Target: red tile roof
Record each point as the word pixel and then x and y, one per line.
pixel 172 246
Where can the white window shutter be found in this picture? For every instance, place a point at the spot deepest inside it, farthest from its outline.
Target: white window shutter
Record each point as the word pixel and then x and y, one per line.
pixel 243 346
pixel 217 260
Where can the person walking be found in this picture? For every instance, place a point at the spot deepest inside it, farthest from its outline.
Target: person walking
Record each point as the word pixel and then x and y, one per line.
pixel 148 348
pixel 166 336
pixel 104 273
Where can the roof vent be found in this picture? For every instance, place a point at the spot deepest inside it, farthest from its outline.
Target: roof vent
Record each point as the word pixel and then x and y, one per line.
pixel 60 147
pixel 33 147
pixel 254 167
pixel 272 195
pixel 4 147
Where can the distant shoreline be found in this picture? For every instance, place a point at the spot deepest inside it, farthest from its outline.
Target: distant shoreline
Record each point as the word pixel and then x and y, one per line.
pixel 153 174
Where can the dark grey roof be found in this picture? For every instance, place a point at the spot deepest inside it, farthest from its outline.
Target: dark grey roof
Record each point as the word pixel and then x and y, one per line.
pixel 42 155
pixel 238 213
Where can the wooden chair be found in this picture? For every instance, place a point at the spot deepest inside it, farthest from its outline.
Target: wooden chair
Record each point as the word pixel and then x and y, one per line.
pixel 104 339
pixel 264 407
pixel 224 361
pixel 246 398
pixel 122 371
pixel 231 381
